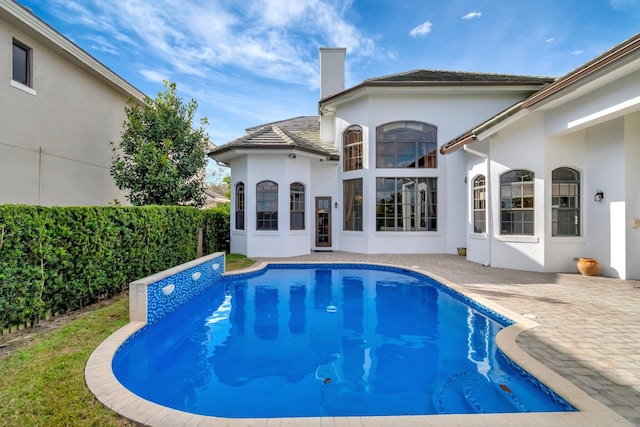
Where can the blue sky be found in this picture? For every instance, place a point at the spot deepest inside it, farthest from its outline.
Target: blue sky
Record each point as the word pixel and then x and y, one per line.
pixel 248 62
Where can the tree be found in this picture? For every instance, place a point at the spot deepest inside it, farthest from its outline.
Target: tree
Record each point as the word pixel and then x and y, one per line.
pixel 161 158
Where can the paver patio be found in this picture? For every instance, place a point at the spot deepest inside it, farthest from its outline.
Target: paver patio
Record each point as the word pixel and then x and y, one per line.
pixel 589 326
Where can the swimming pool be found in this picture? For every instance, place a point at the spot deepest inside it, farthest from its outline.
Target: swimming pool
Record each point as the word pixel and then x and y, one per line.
pixel 328 340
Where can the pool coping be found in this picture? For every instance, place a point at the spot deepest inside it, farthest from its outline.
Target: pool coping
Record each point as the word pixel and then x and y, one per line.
pixel 102 382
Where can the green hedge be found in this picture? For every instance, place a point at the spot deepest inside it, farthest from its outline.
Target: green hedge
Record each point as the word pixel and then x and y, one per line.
pixel 55 260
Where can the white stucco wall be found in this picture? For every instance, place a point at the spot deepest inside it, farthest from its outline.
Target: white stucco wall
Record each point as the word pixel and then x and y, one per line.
pixel 54 148
pixel 319 178
pixel 511 149
pixel 452 113
pixel 632 196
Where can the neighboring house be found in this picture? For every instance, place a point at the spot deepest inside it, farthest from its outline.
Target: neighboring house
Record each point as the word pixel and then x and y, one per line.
pixel 213 199
pixel 545 174
pixel 59 109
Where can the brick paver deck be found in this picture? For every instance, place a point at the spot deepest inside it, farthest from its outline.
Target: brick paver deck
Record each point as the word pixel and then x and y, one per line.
pixel 589 326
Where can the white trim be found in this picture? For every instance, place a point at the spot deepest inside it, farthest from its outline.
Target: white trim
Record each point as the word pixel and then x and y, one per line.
pixel 518 239
pixel 478 236
pixel 24 88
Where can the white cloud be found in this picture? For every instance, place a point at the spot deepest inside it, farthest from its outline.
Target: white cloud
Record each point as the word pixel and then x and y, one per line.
pixel 268 38
pixel 550 40
pixel 154 76
pixel 472 15
pixel 421 30
pixel 625 5
pixel 577 52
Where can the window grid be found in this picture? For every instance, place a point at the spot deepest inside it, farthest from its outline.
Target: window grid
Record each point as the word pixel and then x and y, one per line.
pixel 479 205
pixel 517 202
pixel 240 206
pixel 297 202
pixel 565 202
pixel 353 152
pixel 267 205
pixel 352 203
pixel 406 145
pixel 406 204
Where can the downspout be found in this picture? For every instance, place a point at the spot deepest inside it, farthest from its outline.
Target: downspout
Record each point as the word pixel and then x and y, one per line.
pixel 488 193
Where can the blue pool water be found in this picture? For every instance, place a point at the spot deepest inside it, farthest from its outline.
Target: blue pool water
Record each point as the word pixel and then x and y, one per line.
pixel 305 340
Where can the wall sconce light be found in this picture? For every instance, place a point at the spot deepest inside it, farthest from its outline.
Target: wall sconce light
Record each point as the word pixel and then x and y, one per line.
pixel 335 205
pixel 292 155
pixel 598 196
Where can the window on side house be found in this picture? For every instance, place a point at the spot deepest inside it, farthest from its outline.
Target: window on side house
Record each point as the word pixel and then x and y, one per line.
pixel 565 202
pixel 406 145
pixel 517 201
pixel 406 204
pixel 296 195
pixel 240 206
pixel 479 205
pixel 352 148
pixel 21 63
pixel 267 205
pixel 352 197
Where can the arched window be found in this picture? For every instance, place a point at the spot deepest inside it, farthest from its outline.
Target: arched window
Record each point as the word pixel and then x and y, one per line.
pixel 296 196
pixel 565 202
pixel 406 145
pixel 352 148
pixel 267 205
pixel 479 204
pixel 240 206
pixel 516 202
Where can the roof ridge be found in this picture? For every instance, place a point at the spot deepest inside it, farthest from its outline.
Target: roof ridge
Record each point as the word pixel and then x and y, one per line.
pixel 469 73
pixel 281 133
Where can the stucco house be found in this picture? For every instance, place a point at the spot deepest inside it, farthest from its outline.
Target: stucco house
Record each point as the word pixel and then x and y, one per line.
pixel 59 109
pixel 525 172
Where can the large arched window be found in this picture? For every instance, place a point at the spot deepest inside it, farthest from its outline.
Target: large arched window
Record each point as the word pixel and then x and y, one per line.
pixel 406 145
pixel 565 202
pixel 296 195
pixel 516 203
pixel 479 204
pixel 240 206
pixel 267 205
pixel 352 148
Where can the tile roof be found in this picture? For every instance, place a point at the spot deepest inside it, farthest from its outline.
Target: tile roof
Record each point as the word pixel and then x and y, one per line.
pixel 300 133
pixel 438 76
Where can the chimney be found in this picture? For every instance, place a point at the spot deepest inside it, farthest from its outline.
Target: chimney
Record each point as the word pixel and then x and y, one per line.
pixel 331 70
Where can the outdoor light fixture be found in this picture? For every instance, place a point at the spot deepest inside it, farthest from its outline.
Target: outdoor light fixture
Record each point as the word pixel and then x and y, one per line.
pixel 292 155
pixel 598 196
pixel 335 205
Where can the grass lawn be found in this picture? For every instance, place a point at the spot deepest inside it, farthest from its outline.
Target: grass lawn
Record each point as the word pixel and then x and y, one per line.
pixel 42 384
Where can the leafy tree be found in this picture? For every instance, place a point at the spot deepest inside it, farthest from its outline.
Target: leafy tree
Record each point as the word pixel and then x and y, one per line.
pixel 161 157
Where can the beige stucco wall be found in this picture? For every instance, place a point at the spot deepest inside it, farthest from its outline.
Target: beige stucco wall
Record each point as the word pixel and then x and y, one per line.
pixel 54 145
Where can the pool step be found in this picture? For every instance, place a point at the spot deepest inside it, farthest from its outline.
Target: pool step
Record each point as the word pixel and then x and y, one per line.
pixel 469 392
pixel 485 396
pixel 449 398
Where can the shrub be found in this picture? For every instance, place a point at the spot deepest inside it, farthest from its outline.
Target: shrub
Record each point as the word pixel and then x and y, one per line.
pixel 59 259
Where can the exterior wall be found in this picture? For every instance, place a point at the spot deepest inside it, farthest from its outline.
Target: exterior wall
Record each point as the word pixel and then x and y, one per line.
pixel 606 220
pixel 506 154
pixel 478 244
pixel 632 195
pixel 597 134
pixel 254 168
pixel 452 114
pixel 567 151
pixel 55 144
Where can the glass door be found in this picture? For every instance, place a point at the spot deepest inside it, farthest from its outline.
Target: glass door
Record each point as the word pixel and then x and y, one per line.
pixel 323 221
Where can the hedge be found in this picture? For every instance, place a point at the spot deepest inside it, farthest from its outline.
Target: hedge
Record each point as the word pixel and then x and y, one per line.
pixel 58 259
